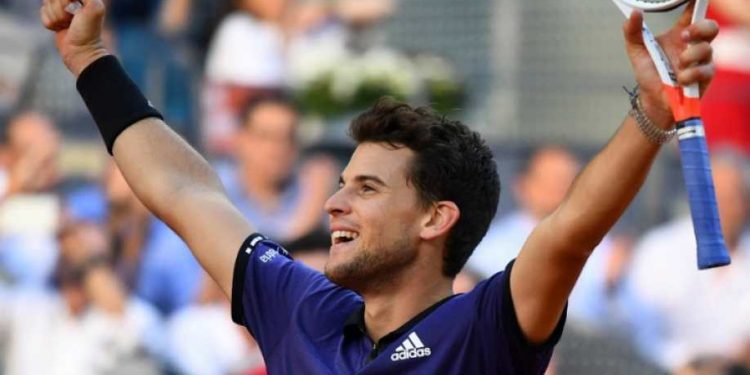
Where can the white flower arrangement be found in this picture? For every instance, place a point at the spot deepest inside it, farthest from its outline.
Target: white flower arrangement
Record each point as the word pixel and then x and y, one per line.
pixel 334 81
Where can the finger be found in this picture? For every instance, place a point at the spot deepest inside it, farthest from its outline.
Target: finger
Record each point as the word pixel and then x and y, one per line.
pixel 46 21
pixel 687 15
pixel 633 31
pixel 57 9
pixel 696 54
pixel 50 19
pixel 705 30
pixel 701 74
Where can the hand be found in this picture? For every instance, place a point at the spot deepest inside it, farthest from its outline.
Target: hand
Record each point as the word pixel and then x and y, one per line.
pixel 687 47
pixel 78 36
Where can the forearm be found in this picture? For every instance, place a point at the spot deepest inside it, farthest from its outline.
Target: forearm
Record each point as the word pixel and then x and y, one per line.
pixel 161 168
pixel 604 189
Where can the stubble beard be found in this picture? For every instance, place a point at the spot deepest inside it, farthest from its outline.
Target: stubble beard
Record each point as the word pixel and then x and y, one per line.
pixel 373 267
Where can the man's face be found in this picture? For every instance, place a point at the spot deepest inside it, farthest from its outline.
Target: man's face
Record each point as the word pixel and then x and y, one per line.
pixel 33 142
pixel 267 142
pixel 544 186
pixel 32 133
pixel 375 218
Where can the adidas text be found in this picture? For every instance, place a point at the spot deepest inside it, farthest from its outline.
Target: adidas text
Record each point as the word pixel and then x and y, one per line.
pixel 412 353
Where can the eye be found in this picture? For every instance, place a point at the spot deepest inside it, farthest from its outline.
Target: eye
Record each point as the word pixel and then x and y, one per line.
pixel 367 189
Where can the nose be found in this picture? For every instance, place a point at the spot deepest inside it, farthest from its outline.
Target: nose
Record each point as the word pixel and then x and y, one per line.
pixel 338 203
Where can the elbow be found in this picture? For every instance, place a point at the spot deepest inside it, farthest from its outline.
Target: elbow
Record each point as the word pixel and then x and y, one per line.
pixel 576 235
pixel 175 201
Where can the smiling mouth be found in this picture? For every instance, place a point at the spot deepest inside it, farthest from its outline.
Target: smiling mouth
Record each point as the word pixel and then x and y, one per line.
pixel 342 236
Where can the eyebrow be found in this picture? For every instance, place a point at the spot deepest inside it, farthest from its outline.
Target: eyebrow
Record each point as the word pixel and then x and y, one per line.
pixel 365 178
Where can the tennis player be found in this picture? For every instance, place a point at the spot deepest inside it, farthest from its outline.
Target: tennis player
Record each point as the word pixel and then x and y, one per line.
pixel 416 197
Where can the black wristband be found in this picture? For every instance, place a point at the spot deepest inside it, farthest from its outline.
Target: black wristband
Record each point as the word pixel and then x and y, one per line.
pixel 113 99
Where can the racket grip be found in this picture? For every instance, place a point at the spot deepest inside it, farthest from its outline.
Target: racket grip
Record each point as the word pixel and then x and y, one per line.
pixel 696 168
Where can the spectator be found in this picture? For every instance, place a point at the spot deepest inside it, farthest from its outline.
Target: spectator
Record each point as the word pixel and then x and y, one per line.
pixel 87 325
pixel 540 187
pixel 29 205
pixel 203 340
pixel 726 105
pixel 153 59
pixel 239 68
pixel 111 203
pixel 679 314
pixel 263 183
pixel 16 55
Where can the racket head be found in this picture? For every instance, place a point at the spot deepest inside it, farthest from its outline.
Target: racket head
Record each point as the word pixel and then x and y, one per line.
pixel 654 5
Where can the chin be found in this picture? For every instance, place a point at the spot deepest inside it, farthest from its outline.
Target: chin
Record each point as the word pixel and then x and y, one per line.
pixel 340 278
pixel 362 270
pixel 348 274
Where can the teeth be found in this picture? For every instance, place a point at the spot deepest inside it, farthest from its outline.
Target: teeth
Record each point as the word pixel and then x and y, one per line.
pixel 344 234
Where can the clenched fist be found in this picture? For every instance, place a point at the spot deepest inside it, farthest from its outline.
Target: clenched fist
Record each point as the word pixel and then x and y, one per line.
pixel 78 34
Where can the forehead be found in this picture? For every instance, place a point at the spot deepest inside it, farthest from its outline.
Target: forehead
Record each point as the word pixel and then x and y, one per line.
pixel 379 159
pixel 270 112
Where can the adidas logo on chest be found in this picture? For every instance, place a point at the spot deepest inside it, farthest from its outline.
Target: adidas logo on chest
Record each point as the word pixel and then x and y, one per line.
pixel 412 347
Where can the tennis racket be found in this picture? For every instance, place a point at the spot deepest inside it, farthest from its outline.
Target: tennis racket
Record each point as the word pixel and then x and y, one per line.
pixel 696 167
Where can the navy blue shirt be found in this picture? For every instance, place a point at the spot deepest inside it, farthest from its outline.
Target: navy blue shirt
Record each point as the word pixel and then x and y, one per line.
pixel 305 324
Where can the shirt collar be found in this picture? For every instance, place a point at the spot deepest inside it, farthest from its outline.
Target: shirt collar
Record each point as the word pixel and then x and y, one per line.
pixel 355 324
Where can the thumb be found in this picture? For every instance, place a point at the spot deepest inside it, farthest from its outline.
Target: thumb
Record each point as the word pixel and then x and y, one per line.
pixel 633 31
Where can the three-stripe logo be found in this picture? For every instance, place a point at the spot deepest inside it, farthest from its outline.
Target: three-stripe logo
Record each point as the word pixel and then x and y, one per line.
pixel 412 347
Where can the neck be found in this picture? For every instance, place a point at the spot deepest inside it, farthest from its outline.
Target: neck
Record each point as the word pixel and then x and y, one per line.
pixel 390 307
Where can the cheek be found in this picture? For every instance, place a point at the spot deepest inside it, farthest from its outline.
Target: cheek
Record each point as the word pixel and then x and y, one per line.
pixel 389 225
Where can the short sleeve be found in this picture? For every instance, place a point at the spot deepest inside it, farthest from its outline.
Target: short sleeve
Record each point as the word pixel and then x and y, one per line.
pixel 496 313
pixel 271 293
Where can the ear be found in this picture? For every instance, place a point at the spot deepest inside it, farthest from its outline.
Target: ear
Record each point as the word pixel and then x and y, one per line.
pixel 441 218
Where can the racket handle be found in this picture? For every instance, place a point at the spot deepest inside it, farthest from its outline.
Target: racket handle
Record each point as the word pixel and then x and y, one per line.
pixel 696 168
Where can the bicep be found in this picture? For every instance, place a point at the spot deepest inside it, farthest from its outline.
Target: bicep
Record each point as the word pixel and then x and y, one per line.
pixel 214 231
pixel 543 277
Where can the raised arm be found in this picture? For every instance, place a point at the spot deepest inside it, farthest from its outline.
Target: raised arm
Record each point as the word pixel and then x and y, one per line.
pixel 554 254
pixel 166 174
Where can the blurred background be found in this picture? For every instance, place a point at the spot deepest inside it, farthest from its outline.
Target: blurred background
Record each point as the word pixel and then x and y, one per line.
pixel 91 283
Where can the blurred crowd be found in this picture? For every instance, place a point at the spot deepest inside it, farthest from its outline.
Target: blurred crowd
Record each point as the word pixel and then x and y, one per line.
pixel 91 283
